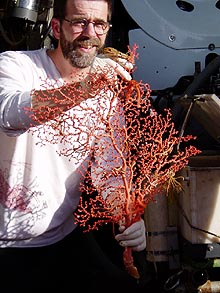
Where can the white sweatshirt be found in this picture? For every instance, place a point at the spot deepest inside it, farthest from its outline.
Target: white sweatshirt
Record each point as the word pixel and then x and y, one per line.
pixel 39 190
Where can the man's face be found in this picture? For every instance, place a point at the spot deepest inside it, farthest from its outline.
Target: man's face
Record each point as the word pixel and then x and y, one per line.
pixel 80 48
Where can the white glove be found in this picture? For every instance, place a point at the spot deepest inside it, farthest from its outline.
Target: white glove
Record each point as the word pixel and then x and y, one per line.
pixel 122 67
pixel 134 236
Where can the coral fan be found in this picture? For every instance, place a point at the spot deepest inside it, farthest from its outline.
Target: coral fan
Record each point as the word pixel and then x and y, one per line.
pixel 136 155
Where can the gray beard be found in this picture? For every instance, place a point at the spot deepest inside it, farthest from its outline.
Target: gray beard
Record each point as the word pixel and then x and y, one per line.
pixel 82 61
pixel 70 53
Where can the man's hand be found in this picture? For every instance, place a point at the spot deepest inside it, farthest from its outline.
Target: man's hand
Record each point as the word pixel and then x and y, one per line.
pixel 134 236
pixel 122 67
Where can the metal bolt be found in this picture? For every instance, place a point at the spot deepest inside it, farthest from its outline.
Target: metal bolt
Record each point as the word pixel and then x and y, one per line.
pixel 172 38
pixel 210 247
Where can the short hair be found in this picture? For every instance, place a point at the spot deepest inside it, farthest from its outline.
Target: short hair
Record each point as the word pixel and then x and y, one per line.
pixel 59 9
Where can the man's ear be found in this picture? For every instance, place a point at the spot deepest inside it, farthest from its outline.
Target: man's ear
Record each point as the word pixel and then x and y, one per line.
pixel 55 25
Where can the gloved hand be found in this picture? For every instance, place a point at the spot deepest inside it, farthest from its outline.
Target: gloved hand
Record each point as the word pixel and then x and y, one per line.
pixel 134 236
pixel 122 67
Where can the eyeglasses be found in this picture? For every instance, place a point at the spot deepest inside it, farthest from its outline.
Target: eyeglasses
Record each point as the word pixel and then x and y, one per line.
pixel 79 25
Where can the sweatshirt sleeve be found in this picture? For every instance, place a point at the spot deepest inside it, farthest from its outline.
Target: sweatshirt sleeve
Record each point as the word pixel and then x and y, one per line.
pixel 15 89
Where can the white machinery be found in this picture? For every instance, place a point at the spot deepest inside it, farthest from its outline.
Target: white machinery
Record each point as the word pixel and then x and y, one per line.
pixel 172 37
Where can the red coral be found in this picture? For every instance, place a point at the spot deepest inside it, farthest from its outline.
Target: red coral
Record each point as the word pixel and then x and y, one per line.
pixel 144 158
